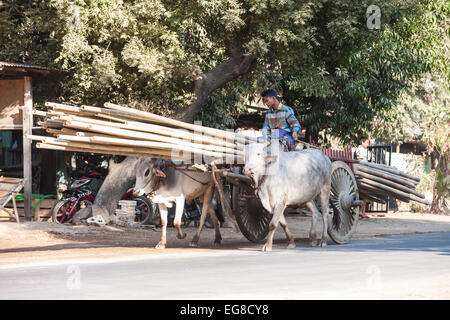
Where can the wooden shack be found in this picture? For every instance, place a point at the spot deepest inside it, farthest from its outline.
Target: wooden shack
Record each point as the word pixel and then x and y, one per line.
pixel 16 120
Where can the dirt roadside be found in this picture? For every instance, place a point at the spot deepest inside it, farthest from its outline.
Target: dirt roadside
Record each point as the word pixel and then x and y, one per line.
pixel 35 242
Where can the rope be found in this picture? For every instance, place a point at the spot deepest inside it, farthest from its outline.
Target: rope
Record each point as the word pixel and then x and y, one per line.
pixel 203 183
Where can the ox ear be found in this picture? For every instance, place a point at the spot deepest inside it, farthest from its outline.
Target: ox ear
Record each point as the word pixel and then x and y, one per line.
pixel 159 173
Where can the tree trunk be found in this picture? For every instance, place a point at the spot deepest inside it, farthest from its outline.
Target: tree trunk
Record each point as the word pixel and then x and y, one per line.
pixel 440 192
pixel 237 65
pixel 120 178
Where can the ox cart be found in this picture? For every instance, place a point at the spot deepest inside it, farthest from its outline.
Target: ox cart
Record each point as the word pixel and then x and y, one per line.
pixel 119 130
pixel 253 220
pixel 352 181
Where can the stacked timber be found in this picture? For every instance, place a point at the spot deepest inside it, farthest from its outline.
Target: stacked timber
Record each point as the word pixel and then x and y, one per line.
pixel 119 130
pixel 375 181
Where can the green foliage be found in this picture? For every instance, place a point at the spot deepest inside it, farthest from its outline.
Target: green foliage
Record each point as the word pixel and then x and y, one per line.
pixel 147 54
pixel 423 113
pixel 355 74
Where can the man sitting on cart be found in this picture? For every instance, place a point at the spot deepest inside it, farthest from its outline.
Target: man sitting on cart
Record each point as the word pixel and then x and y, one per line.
pixel 280 121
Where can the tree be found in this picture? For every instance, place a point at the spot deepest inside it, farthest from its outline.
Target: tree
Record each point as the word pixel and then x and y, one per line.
pixel 176 57
pixel 171 57
pixel 356 73
pixel 163 56
pixel 423 113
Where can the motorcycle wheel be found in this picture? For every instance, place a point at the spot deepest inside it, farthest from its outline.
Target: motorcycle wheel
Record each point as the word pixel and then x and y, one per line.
pixel 59 211
pixel 145 210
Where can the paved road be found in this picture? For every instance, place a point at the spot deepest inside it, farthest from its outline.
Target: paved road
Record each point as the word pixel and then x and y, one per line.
pixel 397 267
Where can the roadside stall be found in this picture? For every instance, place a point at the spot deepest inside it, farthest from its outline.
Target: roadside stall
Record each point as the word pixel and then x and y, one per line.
pixel 24 168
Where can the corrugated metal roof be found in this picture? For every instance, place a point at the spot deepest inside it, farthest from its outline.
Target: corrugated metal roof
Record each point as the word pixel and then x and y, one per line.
pixel 20 67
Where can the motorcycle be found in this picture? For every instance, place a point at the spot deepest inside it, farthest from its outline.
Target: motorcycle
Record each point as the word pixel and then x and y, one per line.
pixel 81 194
pixel 145 209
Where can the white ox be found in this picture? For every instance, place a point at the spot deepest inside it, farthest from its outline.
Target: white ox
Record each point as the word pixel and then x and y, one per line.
pixel 172 186
pixel 290 178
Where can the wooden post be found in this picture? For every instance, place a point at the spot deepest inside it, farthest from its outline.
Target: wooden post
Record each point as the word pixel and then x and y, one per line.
pixel 27 119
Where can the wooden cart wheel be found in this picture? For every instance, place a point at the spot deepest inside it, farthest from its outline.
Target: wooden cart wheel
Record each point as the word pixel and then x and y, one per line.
pixel 253 220
pixel 343 199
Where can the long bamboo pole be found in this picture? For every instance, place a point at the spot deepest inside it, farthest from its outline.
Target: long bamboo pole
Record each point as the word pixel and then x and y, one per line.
pixel 371 198
pixel 228 141
pixel 109 112
pixel 120 111
pixel 36 137
pixel 383 174
pixel 105 116
pixel 394 192
pixel 120 150
pixel 76 144
pixel 50 146
pixel 124 145
pixel 51 124
pixel 390 184
pixel 53 131
pixel 72 132
pixel 389 169
pixel 39 113
pixel 177 123
pixel 135 135
pixel 161 145
pixel 120 116
pixel 61 106
pixel 370 190
pixel 183 133
pixel 139 119
pixel 74 125
pixel 90 134
pixel 364 181
pixel 366 191
pixel 73 138
pixel 160 130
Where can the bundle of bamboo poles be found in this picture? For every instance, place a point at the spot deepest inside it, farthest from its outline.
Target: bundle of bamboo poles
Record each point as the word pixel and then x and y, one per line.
pixel 119 130
pixel 375 181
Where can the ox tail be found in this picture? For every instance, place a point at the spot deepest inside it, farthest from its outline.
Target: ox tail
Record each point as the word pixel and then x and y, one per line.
pixel 336 221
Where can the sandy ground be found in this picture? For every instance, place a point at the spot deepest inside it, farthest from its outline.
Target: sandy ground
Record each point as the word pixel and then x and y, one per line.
pixel 34 242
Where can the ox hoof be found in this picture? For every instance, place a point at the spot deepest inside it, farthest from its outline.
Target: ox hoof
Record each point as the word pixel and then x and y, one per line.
pixel 323 243
pixel 266 248
pixel 291 245
pixel 314 243
pixel 193 244
pixel 181 236
pixel 160 246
